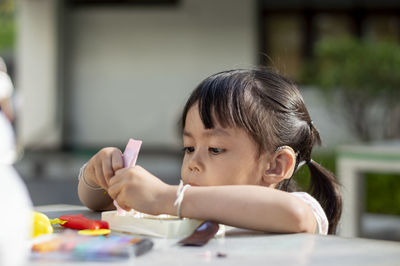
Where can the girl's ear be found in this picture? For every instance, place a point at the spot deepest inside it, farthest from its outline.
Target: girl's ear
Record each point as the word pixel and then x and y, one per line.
pixel 280 166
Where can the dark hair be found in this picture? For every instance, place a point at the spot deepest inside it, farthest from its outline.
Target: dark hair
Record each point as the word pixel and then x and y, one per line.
pixel 270 108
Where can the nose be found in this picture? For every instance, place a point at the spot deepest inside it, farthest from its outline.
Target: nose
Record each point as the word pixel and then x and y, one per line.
pixel 195 163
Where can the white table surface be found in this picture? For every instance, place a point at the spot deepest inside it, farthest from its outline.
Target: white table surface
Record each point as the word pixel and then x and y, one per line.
pixel 247 248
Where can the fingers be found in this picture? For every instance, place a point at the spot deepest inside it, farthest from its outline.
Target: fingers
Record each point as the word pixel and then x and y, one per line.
pixel 135 188
pixel 117 161
pixel 100 179
pixel 101 166
pixel 114 190
pixel 124 206
pixel 118 189
pixel 118 176
pixel 107 170
pixel 112 162
pixel 90 174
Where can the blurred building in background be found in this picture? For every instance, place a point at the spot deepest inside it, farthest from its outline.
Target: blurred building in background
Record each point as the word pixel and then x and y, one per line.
pixel 94 73
pixel 105 71
pixel 291 28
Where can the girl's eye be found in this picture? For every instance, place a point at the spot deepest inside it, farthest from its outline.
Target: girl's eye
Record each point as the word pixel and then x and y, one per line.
pixel 216 150
pixel 188 149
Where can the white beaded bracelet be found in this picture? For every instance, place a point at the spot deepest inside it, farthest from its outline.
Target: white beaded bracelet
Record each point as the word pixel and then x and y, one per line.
pixel 179 197
pixel 82 177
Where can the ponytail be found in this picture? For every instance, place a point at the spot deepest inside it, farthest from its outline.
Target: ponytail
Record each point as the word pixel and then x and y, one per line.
pixel 325 188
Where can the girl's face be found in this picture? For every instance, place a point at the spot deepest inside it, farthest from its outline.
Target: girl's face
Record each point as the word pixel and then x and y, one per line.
pixel 219 156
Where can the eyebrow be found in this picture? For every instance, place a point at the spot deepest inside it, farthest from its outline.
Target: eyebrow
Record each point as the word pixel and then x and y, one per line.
pixel 209 133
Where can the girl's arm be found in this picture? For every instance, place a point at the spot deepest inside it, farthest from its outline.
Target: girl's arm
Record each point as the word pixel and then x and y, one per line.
pixel 252 207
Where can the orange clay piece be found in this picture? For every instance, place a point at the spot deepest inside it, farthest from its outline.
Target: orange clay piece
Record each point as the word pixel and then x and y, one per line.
pixel 135 240
pixel 47 246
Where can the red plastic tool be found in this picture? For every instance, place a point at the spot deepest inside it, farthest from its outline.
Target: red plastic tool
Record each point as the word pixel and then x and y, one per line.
pixel 80 222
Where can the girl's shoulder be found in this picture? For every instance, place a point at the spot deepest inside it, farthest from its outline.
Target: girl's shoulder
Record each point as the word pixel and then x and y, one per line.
pixel 320 216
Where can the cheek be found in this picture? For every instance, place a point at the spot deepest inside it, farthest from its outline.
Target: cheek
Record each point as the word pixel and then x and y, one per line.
pixel 245 172
pixel 183 170
pixel 223 173
pixel 215 176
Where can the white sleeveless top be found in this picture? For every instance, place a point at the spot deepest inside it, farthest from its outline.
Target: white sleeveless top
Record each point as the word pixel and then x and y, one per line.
pixel 320 216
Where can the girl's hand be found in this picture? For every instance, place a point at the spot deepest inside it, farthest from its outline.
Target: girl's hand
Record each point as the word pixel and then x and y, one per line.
pixel 102 166
pixel 136 188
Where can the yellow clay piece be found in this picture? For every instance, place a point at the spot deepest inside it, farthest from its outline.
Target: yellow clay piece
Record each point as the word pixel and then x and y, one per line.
pixel 97 232
pixel 57 221
pixel 41 224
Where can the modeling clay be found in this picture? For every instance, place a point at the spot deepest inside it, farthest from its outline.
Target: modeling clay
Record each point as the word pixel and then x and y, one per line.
pixel 120 211
pixel 70 246
pixel 80 222
pixel 47 246
pixel 97 232
pixel 142 246
pixel 131 152
pixel 201 235
pixel 41 224
pixel 130 156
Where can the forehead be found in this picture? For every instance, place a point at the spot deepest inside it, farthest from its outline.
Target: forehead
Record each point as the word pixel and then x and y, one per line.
pixel 193 116
pixel 195 126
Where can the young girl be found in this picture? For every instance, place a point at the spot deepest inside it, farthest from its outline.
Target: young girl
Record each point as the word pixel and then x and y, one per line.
pixel 245 133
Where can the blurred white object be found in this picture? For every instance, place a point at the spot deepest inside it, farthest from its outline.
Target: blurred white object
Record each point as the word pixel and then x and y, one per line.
pixel 7 139
pixel 16 218
pixel 6 86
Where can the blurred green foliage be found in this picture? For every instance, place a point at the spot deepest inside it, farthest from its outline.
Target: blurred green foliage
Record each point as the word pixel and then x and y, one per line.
pixel 327 160
pixel 361 69
pixel 382 191
pixel 7 25
pixel 366 78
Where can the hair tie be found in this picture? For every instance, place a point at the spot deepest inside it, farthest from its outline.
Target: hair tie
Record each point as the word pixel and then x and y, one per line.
pixel 309 161
pixel 311 123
